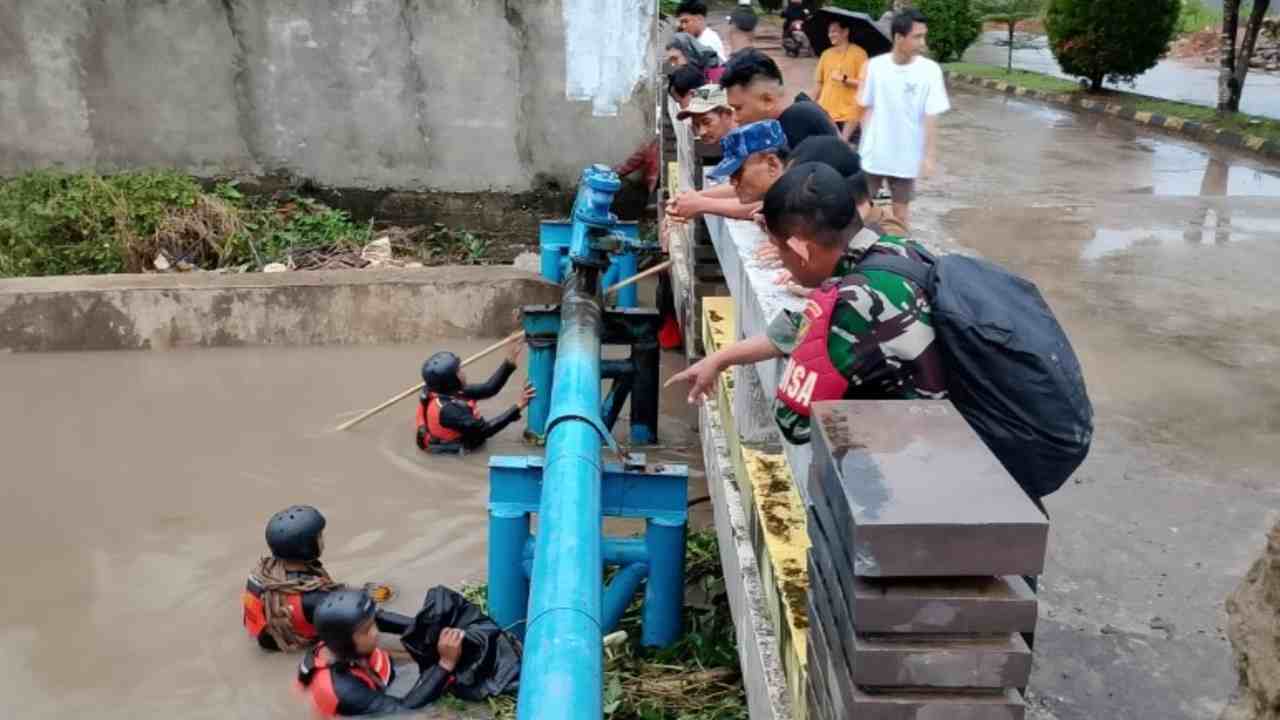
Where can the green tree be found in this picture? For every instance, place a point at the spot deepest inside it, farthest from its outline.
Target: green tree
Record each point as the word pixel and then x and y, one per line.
pixel 953 27
pixel 1010 13
pixel 874 8
pixel 1114 40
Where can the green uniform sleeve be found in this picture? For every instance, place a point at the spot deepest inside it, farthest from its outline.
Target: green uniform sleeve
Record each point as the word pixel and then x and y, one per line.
pixel 783 330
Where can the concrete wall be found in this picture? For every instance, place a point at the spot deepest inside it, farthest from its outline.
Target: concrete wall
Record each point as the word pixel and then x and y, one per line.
pixel 138 312
pixel 456 95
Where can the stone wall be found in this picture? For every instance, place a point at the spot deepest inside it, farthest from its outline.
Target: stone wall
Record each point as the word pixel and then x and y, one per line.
pixel 452 95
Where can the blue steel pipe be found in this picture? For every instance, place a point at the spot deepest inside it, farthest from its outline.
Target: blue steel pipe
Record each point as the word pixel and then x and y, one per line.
pixel 618 595
pixel 562 671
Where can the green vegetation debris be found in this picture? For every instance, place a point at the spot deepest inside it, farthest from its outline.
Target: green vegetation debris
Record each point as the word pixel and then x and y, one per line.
pixel 57 223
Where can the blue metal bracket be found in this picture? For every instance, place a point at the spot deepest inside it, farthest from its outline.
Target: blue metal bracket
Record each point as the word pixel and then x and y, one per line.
pixel 655 493
pixel 633 327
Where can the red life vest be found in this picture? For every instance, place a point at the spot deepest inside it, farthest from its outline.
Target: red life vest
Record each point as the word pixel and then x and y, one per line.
pixel 255 612
pixel 315 677
pixel 809 375
pixel 429 418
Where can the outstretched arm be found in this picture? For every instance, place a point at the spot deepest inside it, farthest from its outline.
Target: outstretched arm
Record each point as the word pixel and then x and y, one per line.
pixel 701 376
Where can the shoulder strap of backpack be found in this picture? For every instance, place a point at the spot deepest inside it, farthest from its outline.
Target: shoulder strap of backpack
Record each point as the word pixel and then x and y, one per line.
pixel 921 273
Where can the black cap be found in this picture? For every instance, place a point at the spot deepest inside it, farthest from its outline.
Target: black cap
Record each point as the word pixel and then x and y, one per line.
pixel 340 614
pixel 812 196
pixel 294 533
pixel 830 150
pixel 440 373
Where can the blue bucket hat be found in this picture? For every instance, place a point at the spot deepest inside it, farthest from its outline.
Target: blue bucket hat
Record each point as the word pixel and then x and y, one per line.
pixel 745 141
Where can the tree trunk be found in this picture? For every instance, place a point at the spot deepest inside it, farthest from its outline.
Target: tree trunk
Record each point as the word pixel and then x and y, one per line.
pixel 1228 91
pixel 1095 83
pixel 1245 56
pixel 1012 24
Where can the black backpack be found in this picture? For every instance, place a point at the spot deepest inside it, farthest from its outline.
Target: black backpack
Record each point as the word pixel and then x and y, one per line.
pixel 1011 371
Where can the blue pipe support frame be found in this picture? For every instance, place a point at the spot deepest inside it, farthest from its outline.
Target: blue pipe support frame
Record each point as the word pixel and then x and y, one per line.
pixel 555 598
pixel 618 595
pixel 636 328
pixel 656 494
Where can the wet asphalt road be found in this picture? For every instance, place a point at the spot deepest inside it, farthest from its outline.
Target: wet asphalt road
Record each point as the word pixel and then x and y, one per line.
pixel 1159 257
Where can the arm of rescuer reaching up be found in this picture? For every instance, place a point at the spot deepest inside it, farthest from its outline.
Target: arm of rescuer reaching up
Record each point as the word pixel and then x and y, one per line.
pixel 494 385
pixel 476 430
pixel 701 376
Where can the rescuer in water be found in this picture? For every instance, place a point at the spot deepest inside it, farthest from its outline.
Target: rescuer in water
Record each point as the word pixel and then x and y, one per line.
pixel 347 674
pixel 448 419
pixel 284 591
pixel 457 648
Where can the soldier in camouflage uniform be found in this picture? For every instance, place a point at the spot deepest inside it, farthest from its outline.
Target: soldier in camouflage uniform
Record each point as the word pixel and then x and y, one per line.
pixel 867 335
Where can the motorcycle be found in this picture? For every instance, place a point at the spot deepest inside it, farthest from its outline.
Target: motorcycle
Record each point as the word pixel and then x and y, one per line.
pixel 794 40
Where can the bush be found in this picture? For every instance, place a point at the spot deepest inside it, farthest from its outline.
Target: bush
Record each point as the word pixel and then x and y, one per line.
pixel 1114 40
pixel 953 27
pixel 54 223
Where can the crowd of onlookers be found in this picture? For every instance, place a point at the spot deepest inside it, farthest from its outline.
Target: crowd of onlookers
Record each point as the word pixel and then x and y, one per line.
pixel 806 167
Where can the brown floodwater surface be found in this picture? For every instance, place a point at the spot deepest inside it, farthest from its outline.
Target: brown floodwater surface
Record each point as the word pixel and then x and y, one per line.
pixel 136 489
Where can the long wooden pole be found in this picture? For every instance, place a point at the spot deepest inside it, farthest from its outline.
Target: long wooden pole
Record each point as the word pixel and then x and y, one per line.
pixel 491 349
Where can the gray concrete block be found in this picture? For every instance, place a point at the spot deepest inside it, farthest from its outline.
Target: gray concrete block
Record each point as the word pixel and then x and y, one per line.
pixel 926 706
pixel 961 605
pixel 974 606
pixel 826 662
pixel 915 492
pixel 941 661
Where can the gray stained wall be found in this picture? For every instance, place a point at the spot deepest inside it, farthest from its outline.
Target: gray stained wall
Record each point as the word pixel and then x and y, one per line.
pixel 457 95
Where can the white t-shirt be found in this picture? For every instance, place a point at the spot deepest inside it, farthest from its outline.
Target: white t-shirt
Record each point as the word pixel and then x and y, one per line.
pixel 711 39
pixel 899 97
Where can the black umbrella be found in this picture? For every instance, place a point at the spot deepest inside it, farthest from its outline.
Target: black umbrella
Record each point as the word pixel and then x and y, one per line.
pixel 865 32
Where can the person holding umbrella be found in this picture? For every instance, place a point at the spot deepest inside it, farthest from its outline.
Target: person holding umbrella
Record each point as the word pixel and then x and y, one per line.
pixel 837 78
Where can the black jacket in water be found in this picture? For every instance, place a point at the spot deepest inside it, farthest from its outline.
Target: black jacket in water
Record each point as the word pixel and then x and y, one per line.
pixel 490 662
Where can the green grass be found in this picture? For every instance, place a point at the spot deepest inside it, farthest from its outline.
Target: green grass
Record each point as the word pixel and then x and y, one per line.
pixel 1023 78
pixel 1235 122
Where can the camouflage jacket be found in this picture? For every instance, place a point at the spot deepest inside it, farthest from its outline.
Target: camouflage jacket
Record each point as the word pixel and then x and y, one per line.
pixel 883 356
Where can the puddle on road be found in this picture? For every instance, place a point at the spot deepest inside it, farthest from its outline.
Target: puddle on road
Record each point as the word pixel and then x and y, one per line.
pixel 137 488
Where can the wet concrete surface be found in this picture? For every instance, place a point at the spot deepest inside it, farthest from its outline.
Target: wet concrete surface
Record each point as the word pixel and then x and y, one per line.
pixel 137 488
pixel 1187 81
pixel 1158 256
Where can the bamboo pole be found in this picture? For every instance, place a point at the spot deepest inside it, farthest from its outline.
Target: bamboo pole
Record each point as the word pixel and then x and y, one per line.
pixel 490 350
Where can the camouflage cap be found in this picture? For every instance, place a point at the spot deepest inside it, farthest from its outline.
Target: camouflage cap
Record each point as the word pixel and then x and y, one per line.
pixel 746 140
pixel 704 100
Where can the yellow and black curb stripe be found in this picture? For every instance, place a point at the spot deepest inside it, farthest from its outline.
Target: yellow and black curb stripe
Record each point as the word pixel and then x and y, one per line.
pixel 1168 123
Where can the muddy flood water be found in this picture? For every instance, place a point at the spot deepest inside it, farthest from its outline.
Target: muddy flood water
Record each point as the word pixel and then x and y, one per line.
pixel 137 487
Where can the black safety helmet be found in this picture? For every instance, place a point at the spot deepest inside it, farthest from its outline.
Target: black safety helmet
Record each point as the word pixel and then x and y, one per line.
pixel 340 614
pixel 294 533
pixel 440 373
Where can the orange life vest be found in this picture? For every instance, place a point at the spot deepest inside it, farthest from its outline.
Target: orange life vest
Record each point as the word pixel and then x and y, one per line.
pixel 315 677
pixel 429 418
pixel 255 612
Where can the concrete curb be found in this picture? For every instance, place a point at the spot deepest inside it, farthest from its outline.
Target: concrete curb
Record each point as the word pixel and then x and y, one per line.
pixel 144 312
pixel 1167 123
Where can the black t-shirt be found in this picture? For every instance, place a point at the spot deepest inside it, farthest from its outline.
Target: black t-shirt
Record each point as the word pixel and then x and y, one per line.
pixel 805 119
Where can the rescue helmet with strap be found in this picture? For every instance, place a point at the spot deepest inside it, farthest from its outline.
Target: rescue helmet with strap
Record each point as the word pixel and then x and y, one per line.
pixel 294 533
pixel 440 373
pixel 338 618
